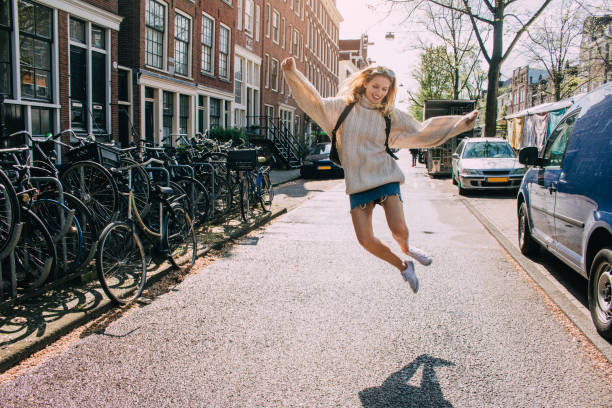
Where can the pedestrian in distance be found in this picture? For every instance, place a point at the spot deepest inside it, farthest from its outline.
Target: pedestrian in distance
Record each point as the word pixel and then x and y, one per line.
pixel 415 154
pixel 370 125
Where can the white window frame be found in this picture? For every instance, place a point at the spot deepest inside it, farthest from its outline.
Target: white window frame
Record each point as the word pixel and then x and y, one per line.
pixel 164 66
pixel 284 33
pixel 267 70
pixel 189 44
pixel 229 51
pixel 212 48
pixel 268 19
pixel 297 7
pixel 274 83
pixel 249 17
pixel 275 26
pixel 239 21
pixel 257 22
pixel 296 47
pixel 228 2
pixel 89 49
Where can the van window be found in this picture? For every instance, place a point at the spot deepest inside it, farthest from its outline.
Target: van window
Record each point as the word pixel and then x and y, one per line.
pixel 555 148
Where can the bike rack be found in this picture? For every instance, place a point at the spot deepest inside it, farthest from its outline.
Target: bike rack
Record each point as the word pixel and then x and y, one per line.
pixel 212 184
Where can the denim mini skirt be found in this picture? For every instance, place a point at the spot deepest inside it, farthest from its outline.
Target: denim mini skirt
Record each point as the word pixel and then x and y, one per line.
pixel 376 194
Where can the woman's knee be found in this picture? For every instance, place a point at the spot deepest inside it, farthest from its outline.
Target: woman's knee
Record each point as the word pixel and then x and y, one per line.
pixel 399 230
pixel 366 240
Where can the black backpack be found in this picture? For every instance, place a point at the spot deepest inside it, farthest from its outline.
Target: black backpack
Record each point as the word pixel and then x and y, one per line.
pixel 333 154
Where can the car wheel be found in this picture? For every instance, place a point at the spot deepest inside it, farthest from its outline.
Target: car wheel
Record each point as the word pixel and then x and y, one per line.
pixel 454 179
pixel 600 292
pixel 462 191
pixel 527 244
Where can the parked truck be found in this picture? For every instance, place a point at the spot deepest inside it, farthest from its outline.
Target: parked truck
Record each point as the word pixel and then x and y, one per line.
pixel 439 158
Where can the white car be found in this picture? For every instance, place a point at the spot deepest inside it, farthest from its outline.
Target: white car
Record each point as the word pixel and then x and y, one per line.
pixel 486 163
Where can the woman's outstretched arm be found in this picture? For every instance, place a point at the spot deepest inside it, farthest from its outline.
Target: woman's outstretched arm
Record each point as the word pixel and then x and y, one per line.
pixel 406 132
pixel 308 99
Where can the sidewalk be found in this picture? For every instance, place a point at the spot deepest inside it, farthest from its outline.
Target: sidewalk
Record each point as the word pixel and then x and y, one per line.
pixel 31 325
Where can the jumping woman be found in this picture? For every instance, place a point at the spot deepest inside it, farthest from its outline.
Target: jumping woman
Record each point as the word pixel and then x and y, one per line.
pixel 370 125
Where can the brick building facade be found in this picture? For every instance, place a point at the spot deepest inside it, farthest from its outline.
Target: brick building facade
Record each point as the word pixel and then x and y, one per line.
pixel 308 31
pixel 167 67
pixel 353 56
pixel 57 65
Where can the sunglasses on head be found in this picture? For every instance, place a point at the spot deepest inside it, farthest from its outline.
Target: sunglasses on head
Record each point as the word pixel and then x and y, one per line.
pixel 384 71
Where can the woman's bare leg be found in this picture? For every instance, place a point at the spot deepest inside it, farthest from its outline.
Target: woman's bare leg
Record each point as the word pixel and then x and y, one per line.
pixel 362 222
pixel 394 211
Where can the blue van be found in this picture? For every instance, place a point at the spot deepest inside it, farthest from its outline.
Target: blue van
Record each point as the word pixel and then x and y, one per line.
pixel 565 200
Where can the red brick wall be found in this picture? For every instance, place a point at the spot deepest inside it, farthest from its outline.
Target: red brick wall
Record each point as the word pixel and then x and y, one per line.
pixel 270 97
pixel 222 13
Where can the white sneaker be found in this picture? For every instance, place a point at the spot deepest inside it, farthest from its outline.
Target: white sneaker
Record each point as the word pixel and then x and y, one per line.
pixel 410 276
pixel 420 256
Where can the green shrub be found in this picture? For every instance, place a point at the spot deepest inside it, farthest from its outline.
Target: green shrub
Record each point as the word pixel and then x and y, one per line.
pixel 236 135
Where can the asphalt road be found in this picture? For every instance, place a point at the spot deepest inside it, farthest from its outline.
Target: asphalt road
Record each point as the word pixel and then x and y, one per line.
pixel 298 315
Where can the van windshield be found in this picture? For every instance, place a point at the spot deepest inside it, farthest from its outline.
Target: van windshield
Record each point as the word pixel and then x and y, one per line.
pixel 482 150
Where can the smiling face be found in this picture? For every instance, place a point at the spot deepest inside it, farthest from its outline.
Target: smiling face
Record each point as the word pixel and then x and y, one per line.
pixel 377 88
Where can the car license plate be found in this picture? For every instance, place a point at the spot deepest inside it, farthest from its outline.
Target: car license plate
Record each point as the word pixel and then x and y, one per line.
pixel 497 179
pixel 324 168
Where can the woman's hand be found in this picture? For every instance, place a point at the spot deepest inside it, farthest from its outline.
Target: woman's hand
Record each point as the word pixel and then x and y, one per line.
pixel 288 64
pixel 470 118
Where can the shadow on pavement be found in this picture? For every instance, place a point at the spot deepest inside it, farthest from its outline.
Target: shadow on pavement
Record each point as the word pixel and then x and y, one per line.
pixel 32 317
pixel 396 392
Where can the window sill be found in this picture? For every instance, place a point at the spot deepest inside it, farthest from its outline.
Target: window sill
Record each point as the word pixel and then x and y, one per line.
pixel 183 76
pixel 157 69
pixel 207 74
pixel 226 80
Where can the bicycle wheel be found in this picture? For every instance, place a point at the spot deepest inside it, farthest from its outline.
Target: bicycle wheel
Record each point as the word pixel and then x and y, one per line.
pixel 65 231
pixel 181 238
pixel 198 198
pixel 9 213
pixel 245 193
pixel 121 265
pixel 94 186
pixel 266 192
pixel 87 223
pixel 89 228
pixel 141 186
pixel 35 255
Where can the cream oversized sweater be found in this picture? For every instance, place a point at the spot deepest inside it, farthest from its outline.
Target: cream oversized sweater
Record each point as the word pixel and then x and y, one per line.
pixel 361 138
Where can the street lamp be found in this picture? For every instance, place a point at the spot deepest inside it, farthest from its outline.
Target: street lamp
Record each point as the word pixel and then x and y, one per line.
pixel 390 35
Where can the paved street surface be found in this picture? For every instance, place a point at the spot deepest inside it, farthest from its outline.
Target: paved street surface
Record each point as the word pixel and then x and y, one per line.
pixel 298 315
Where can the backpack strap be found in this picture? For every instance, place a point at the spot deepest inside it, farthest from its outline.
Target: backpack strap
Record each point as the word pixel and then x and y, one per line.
pixel 387 131
pixel 343 116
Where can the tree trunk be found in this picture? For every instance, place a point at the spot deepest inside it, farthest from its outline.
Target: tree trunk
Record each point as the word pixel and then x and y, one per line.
pixel 493 76
pixel 491 106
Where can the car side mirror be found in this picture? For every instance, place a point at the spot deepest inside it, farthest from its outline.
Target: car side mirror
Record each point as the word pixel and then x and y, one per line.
pixel 455 155
pixel 529 156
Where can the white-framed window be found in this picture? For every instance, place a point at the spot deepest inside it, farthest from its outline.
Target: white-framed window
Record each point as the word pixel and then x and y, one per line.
pixel 268 19
pixel 274 74
pixel 238 79
pixel 257 21
pixel 283 34
pixel 290 39
pixel 239 22
pixel 182 44
pixel 224 51
pixel 155 22
pixel 297 7
pixel 249 17
pixel 296 43
pixel 208 44
pixel 89 67
pixel 275 26
pixel 267 70
pixel 228 2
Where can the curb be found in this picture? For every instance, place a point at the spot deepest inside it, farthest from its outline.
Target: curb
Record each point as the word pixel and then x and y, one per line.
pixel 582 322
pixel 55 330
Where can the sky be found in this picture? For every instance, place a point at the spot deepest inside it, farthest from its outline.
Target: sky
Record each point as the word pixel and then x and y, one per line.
pixel 364 16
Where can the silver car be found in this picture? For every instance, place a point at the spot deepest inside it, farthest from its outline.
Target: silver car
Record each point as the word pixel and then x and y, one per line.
pixel 486 163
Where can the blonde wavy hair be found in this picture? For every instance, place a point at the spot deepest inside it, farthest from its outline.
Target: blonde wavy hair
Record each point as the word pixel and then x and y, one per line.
pixel 353 88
